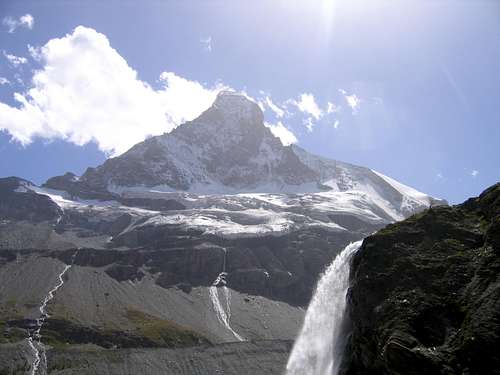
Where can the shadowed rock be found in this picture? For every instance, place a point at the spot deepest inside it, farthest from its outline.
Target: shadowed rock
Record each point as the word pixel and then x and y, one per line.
pixel 19 203
pixel 425 294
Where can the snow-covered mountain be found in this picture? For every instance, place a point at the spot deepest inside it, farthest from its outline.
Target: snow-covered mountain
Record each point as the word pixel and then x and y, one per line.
pixel 228 150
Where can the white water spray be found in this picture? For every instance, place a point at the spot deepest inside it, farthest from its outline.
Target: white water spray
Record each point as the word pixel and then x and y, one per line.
pixel 34 340
pixel 318 348
pixel 223 314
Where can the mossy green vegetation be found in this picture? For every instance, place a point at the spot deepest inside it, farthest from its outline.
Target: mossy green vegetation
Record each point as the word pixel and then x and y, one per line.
pixel 161 331
pixel 10 334
pixel 147 331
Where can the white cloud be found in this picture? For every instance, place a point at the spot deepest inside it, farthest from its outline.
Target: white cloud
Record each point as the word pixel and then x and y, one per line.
pixel 352 100
pixel 308 122
pixel 18 79
pixel 336 124
pixel 14 60
pixel 86 92
pixel 474 173
pixel 27 20
pixel 276 109
pixel 332 108
pixel 282 132
pixel 183 100
pixel 207 43
pixel 307 104
pixel 12 24
pixel 35 52
pixel 4 81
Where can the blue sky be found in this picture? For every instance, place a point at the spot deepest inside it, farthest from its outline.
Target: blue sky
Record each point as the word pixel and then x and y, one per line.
pixel 408 88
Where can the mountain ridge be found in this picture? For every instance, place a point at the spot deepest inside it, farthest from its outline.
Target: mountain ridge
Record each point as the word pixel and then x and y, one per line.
pixel 229 150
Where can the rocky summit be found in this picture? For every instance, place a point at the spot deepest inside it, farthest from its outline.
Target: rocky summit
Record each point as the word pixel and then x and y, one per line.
pixel 425 293
pixel 206 242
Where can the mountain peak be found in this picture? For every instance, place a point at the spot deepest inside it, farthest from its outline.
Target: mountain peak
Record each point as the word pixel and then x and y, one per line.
pixel 234 106
pixel 232 98
pixel 227 150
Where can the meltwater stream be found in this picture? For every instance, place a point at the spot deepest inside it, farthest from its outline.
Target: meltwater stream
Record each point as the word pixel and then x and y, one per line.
pixel 318 348
pixel 223 310
pixel 34 339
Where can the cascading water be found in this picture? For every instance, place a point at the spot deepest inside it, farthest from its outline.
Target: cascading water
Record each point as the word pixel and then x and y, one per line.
pixel 34 339
pixel 318 348
pixel 223 314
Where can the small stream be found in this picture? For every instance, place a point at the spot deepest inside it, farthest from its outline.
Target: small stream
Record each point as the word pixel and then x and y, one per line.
pixel 223 309
pixel 39 364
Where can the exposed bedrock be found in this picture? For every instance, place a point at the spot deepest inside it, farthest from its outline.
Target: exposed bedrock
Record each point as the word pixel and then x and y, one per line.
pixel 19 203
pixel 282 268
pixel 425 295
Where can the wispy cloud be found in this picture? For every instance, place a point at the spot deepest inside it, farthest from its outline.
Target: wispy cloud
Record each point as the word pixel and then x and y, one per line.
pixel 207 43
pixel 35 52
pixel 336 124
pixel 332 108
pixel 462 98
pixel 278 111
pixel 308 122
pixel 307 104
pixel 12 24
pixel 474 173
pixel 4 81
pixel 352 100
pixel 439 176
pixel 14 60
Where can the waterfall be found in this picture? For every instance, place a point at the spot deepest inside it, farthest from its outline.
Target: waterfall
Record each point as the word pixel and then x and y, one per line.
pixel 223 313
pixel 34 339
pixel 319 346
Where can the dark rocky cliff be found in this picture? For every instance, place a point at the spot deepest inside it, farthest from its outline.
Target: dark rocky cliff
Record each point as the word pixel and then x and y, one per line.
pixel 425 293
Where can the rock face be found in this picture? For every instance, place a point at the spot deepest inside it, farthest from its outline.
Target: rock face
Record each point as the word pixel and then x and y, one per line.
pixel 425 295
pixel 18 202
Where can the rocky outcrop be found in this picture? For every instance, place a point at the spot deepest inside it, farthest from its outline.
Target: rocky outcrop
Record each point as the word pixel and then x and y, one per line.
pixel 71 184
pixel 283 268
pixel 17 202
pixel 425 295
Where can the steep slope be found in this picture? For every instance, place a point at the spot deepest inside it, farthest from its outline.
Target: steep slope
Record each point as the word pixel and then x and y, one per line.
pixel 226 149
pixel 425 293
pixel 18 202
